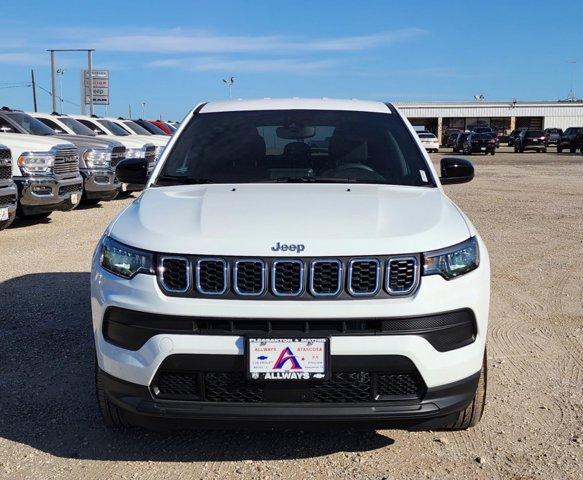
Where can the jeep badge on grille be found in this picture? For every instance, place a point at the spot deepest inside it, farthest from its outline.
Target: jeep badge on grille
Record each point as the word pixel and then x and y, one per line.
pixel 291 247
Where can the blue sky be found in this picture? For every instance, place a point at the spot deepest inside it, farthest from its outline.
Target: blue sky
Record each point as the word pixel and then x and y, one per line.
pixel 174 54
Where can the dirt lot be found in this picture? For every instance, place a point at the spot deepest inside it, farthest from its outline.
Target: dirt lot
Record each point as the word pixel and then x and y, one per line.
pixel 528 208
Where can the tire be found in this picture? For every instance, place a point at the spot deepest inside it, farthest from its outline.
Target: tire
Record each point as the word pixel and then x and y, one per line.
pixel 112 416
pixel 573 150
pixel 544 150
pixel 471 415
pixel 559 149
pixel 493 152
pixel 521 150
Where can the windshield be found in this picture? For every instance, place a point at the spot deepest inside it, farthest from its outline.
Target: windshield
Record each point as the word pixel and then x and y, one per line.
pixel 482 136
pixel 153 129
pixel 77 127
pixel 134 127
pixel 30 124
pixel 296 146
pixel 534 133
pixel 113 128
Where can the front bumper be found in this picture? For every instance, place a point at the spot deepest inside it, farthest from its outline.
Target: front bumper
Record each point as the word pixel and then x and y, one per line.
pixel 47 194
pixel 8 201
pixel 100 184
pixel 534 146
pixel 438 408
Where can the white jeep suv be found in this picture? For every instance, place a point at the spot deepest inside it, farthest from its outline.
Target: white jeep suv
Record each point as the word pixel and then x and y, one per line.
pixel 292 261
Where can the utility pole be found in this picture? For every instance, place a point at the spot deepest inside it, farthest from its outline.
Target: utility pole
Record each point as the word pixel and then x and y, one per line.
pixel 90 68
pixel 130 111
pixel 53 81
pixel 60 73
pixel 33 90
pixel 571 96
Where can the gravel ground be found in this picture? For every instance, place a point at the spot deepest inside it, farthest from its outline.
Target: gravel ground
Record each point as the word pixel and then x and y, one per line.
pixel 528 208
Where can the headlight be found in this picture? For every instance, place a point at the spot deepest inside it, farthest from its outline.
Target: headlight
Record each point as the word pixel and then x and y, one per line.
pixel 123 260
pixel 97 157
pixel 453 261
pixel 135 153
pixel 32 163
pixel 159 151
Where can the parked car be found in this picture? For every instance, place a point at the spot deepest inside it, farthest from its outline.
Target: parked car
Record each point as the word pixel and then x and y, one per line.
pixel 136 145
pixel 151 127
pixel 98 180
pixel 384 322
pixel 513 135
pixel 162 126
pixel 8 190
pixel 458 143
pixel 450 140
pixel 479 143
pixel 553 135
pixel 138 131
pixel 571 139
pixel 530 140
pixel 429 141
pixel 46 172
pixel 447 135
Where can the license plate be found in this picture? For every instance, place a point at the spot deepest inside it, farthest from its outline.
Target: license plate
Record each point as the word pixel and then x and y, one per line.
pixel 483 148
pixel 74 198
pixel 287 358
pixel 3 214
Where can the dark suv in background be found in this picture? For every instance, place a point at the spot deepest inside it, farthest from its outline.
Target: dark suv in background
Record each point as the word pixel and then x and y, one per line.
pixel 458 143
pixel 513 135
pixel 479 143
pixel 571 139
pixel 553 135
pixel 530 140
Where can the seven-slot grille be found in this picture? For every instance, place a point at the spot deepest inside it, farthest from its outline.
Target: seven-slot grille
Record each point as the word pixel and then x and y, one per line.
pixel 66 162
pixel 289 278
pixel 5 164
pixel 151 157
pixel 117 155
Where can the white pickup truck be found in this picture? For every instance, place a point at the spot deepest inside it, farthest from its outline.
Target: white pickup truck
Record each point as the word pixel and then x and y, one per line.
pixel 8 190
pixel 292 261
pixel 46 172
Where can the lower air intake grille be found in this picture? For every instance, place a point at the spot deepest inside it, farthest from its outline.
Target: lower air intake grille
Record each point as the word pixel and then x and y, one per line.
pixel 211 277
pixel 69 189
pixel 342 387
pixel 401 275
pixel 364 277
pixel 7 200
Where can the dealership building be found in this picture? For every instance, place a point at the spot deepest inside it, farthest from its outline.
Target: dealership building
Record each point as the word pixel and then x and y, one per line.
pixel 437 117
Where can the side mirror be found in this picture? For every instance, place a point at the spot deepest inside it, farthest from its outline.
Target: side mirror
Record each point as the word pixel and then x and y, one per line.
pixel 456 170
pixel 132 170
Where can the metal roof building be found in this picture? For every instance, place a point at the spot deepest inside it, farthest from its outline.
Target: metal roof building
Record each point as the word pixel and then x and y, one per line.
pixel 503 116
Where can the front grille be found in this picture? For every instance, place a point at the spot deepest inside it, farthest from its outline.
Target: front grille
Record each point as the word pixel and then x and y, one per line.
pixel 326 277
pixel 7 200
pixel 70 189
pixel 151 157
pixel 175 273
pixel 363 277
pixel 117 155
pixel 402 275
pixel 287 277
pixel 249 277
pixel 5 154
pixel 276 278
pixel 66 162
pixel 341 387
pixel 5 172
pixel 211 276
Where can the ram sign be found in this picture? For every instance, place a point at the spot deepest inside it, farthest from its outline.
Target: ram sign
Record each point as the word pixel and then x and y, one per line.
pixel 100 87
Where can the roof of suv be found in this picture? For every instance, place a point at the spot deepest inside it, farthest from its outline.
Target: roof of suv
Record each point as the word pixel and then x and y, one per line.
pixel 295 104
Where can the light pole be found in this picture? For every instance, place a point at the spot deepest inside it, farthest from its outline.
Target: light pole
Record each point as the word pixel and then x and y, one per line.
pixel 229 83
pixel 143 110
pixel 60 73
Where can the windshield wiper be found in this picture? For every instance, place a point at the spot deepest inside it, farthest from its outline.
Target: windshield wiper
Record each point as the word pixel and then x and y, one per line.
pixel 181 180
pixel 308 180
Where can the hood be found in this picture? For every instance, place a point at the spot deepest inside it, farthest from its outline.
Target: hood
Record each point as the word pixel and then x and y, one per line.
pixel 128 141
pixel 328 219
pixel 156 140
pixel 90 141
pixel 34 143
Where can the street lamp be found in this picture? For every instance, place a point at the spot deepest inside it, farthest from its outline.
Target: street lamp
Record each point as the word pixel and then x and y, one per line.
pixel 229 83
pixel 143 109
pixel 60 73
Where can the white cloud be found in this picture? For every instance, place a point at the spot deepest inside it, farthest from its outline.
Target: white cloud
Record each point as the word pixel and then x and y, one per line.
pixel 22 58
pixel 244 66
pixel 178 41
